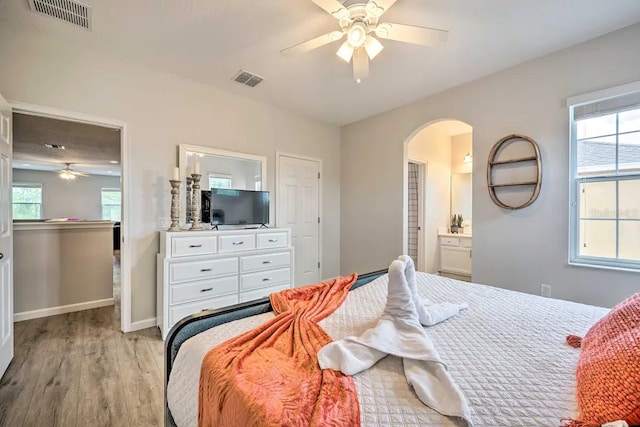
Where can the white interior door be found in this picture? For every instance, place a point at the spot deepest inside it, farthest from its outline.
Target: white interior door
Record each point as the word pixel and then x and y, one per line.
pixel 6 239
pixel 298 208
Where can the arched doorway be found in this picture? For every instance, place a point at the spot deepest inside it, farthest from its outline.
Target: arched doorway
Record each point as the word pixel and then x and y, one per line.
pixel 437 185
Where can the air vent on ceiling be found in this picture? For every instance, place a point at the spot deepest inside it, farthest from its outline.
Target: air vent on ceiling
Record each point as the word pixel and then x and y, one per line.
pixel 69 11
pixel 247 78
pixel 55 146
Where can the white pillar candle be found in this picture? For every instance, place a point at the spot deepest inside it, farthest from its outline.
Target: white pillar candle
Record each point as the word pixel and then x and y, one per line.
pixel 196 167
pixel 176 173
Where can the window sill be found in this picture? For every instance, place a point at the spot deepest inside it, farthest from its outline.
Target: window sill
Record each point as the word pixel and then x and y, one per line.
pixel 587 264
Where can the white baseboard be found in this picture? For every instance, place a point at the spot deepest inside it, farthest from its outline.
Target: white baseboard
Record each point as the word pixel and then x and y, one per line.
pixel 52 311
pixel 143 324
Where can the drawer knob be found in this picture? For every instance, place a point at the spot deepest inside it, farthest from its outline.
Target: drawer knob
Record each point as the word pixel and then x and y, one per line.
pixel 266 262
pixel 205 270
pixel 273 240
pixel 266 279
pixel 238 243
pixel 195 246
pixel 206 290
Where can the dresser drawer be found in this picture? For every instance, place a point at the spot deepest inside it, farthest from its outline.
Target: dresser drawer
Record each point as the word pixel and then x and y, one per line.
pixel 203 289
pixel 188 271
pixel 264 262
pixel 193 245
pixel 271 240
pixel 265 279
pixel 449 241
pixel 465 242
pixel 181 311
pixel 261 293
pixel 240 242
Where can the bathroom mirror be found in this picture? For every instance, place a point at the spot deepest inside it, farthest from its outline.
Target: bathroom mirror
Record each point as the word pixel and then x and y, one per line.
pixel 221 169
pixel 461 196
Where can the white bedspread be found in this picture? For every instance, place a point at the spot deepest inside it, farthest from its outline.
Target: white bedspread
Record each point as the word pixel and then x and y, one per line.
pixel 506 352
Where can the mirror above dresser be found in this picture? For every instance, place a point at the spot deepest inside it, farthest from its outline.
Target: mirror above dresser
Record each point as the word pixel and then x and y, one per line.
pixel 221 169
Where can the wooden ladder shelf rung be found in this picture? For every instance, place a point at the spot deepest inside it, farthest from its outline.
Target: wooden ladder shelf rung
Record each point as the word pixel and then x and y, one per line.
pixel 506 162
pixel 514 184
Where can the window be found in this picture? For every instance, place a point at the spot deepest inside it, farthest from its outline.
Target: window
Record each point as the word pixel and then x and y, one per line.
pixel 605 190
pixel 218 180
pixel 111 200
pixel 27 201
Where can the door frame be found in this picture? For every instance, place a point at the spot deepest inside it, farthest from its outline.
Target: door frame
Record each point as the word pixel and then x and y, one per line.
pixel 421 262
pixel 125 184
pixel 280 154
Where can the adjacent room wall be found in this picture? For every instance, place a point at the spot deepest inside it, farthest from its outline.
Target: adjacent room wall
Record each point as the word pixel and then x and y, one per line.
pixel 460 146
pixel 511 249
pixel 433 147
pixel 77 198
pixel 162 111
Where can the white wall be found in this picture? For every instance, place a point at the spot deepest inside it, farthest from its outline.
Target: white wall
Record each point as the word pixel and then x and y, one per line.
pixel 512 249
pixel 77 198
pixel 162 111
pixel 433 146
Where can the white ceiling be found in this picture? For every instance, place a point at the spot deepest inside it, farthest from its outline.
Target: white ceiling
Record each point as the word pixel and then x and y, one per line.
pixel 452 127
pixel 210 41
pixel 89 148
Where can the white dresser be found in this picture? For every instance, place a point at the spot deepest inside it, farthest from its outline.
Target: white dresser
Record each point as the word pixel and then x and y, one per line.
pixel 455 256
pixel 202 270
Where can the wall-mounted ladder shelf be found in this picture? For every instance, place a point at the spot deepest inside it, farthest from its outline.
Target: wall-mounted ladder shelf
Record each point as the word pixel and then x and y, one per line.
pixel 495 161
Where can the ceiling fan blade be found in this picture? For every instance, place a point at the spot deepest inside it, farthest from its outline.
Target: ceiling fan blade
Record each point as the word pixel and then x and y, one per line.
pixel 333 7
pixel 360 65
pixel 411 34
pixel 315 43
pixel 72 172
pixel 375 8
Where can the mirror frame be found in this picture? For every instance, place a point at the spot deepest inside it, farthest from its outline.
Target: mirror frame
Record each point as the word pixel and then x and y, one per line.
pixel 182 164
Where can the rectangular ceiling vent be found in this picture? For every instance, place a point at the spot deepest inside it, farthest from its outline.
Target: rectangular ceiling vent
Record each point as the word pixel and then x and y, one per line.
pixel 69 11
pixel 248 79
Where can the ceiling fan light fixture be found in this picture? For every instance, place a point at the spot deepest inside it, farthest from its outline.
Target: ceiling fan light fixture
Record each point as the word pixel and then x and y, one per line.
pixel 357 34
pixel 373 47
pixel 67 175
pixel 345 52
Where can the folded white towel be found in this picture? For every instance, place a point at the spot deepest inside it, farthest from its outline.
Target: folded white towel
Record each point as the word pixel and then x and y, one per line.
pixel 429 313
pixel 399 332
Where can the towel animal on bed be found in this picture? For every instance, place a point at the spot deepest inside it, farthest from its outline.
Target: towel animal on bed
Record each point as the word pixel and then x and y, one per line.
pixel 399 332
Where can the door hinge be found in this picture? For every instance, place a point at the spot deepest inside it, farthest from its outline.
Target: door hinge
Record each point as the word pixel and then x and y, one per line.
pixel 318 220
pixel 318 175
pixel 318 264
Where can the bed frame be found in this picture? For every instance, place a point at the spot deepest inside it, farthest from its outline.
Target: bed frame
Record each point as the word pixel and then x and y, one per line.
pixel 196 323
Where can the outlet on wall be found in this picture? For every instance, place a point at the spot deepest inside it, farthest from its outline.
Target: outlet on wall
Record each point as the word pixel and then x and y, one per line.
pixel 545 290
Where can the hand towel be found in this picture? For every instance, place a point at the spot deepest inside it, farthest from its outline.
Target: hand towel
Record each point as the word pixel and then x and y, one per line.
pixel 429 313
pixel 399 333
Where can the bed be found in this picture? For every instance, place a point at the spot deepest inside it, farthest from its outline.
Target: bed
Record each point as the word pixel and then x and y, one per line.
pixel 507 353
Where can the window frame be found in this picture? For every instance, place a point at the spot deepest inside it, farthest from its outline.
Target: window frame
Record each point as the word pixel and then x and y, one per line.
pixel 575 181
pixel 27 185
pixel 217 175
pixel 102 204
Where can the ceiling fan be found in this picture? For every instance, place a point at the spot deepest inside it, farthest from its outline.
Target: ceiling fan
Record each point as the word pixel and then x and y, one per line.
pixel 359 22
pixel 67 173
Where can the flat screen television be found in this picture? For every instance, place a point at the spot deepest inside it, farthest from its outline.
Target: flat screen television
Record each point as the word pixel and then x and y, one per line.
pixel 239 207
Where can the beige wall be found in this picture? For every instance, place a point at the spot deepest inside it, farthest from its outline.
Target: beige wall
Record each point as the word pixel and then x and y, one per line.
pixel 512 249
pixel 162 111
pixel 460 146
pixel 77 198
pixel 433 147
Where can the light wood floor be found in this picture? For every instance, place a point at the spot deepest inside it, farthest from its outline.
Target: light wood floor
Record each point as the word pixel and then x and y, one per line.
pixel 78 369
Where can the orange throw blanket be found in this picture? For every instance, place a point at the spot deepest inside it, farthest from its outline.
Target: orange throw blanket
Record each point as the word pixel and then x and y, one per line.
pixel 270 376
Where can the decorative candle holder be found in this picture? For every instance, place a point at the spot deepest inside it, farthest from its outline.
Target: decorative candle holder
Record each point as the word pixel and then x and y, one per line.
pixel 175 205
pixel 195 203
pixel 188 210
